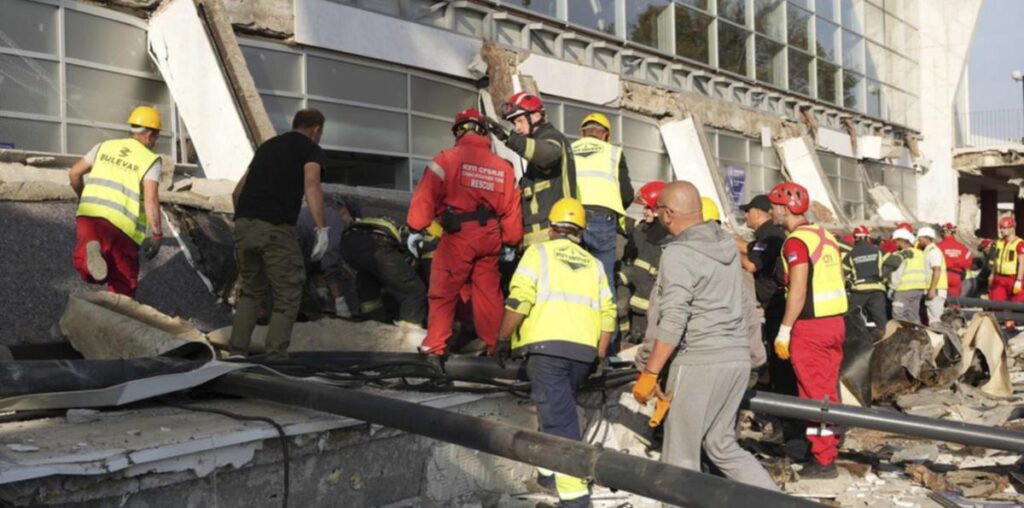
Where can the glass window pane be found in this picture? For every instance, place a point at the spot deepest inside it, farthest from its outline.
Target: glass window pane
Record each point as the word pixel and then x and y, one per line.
pixel 31 135
pixel 29 26
pixel 875 61
pixel 28 85
pixel 893 32
pixel 732 148
pixel 799 72
pixel 109 97
pixel 641 135
pixel 829 163
pixel 647 22
pixel 806 4
pixel 772 178
pixel 827 76
pixel 733 10
pixel 595 14
pixel 438 98
pixel 770 61
pixel 82 138
pixel 274 70
pixel 282 110
pixel 853 92
pixel 769 18
pixel 826 8
pixel 874 98
pixel 732 48
pixel 106 42
pixel 853 52
pixel 348 81
pixel 848 169
pixel 874 23
pixel 826 36
pixel 700 4
pixel 546 7
pixel 430 136
pixel 357 127
pixel 799 28
pixel 574 115
pixel 645 166
pixel 853 14
pixel 692 34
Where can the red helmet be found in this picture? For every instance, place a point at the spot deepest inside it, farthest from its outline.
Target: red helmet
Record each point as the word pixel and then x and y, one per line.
pixel 948 227
pixel 1007 221
pixel 861 230
pixel 984 243
pixel 470 115
pixel 791 195
pixel 650 192
pixel 905 226
pixel 521 104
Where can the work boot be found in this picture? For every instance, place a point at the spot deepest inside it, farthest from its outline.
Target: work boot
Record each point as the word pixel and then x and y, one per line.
pixel 94 262
pixel 816 471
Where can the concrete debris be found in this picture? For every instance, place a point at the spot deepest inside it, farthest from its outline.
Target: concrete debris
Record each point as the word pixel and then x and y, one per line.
pixel 904 360
pixel 82 415
pixel 887 206
pixel 502 64
pixel 22 447
pixel 208 246
pixel 329 335
pixel 919 453
pixel 22 182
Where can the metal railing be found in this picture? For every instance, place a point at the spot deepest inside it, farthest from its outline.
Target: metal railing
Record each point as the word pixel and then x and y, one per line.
pixel 990 128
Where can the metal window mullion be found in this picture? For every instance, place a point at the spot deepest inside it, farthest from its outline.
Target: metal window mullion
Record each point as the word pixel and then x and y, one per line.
pixel 408 122
pixel 112 69
pixel 21 115
pixel 356 104
pixel 30 54
pixel 62 79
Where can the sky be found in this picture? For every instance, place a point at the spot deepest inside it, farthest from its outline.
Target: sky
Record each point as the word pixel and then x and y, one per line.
pixel 998 49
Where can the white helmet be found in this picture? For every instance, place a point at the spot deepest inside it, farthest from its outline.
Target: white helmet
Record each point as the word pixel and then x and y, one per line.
pixel 926 232
pixel 903 234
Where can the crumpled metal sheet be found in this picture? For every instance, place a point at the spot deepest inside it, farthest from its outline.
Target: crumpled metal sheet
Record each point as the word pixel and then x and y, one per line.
pixel 908 357
pixel 983 336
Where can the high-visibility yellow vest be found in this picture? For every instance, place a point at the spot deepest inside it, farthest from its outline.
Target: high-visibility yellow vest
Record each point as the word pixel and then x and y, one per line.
pixel 943 280
pixel 826 295
pixel 1006 257
pixel 562 290
pixel 863 262
pixel 597 173
pixel 915 277
pixel 382 225
pixel 113 187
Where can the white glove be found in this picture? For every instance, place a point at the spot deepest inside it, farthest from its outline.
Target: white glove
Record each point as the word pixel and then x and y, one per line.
pixel 320 245
pixel 508 254
pixel 782 342
pixel 341 308
pixel 413 243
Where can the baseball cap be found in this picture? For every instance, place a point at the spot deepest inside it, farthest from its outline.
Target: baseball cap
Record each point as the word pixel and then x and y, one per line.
pixel 760 202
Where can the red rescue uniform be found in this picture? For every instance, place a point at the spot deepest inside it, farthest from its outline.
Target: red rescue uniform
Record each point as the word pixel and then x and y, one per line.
pixel 467 178
pixel 1004 271
pixel 958 261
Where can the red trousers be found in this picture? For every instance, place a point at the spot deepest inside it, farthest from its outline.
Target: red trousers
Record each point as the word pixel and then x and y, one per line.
pixel 955 284
pixel 1002 289
pixel 469 256
pixel 816 350
pixel 119 251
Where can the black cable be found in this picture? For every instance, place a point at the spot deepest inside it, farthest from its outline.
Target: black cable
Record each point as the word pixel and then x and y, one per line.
pixel 283 438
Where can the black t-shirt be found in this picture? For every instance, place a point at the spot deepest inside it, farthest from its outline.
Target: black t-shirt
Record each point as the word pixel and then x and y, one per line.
pixel 764 252
pixel 276 183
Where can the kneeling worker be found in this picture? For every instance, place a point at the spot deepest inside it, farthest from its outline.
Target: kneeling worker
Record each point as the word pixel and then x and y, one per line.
pixel 560 303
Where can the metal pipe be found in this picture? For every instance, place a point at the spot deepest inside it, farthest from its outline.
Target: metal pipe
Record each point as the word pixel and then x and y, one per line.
pixel 897 423
pixel 986 304
pixel 612 469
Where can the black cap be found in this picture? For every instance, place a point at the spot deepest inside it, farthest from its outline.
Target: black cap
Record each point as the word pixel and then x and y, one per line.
pixel 760 202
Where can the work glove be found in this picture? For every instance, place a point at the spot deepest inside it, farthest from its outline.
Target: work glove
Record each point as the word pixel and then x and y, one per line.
pixel 498 129
pixel 782 342
pixel 599 368
pixel 413 243
pixel 341 308
pixel 646 386
pixel 508 254
pixel 1017 286
pixel 502 351
pixel 151 246
pixel 320 245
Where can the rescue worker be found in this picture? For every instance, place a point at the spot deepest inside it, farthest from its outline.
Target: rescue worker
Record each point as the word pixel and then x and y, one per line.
pixel 981 269
pixel 1008 264
pixel 550 172
pixel 330 270
pixel 472 193
pixel 863 266
pixel 375 247
pixel 908 278
pixel 640 265
pixel 935 274
pixel 709 210
pixel 118 215
pixel 283 170
pixel 958 259
pixel 561 305
pixel 813 321
pixel 700 288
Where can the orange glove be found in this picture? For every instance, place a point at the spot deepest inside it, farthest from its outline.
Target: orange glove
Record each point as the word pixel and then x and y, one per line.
pixel 782 342
pixel 1016 286
pixel 645 387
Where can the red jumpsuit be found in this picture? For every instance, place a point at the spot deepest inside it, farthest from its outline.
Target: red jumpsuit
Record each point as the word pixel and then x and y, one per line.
pixel 958 261
pixel 1001 288
pixel 462 178
pixel 816 352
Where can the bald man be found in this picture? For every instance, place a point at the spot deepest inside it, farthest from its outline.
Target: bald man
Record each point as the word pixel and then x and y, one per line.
pixel 700 283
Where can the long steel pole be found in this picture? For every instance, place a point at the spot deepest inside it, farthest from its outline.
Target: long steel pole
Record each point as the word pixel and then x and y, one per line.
pixel 616 470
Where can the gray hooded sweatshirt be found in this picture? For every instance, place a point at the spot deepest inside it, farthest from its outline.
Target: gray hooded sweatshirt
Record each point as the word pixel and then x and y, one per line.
pixel 700 293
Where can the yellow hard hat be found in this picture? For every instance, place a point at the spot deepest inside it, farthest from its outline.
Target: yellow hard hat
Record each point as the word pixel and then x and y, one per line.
pixel 599 119
pixel 568 211
pixel 434 229
pixel 145 116
pixel 708 209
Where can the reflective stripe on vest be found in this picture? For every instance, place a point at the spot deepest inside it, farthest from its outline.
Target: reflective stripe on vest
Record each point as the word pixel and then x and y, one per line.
pixel 380 224
pixel 827 286
pixel 943 279
pixel 113 186
pixel 540 195
pixel 915 277
pixel 597 173
pixel 1006 257
pixel 645 266
pixel 865 261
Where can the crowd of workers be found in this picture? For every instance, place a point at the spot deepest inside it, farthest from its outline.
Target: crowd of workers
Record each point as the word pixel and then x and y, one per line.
pixel 532 266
